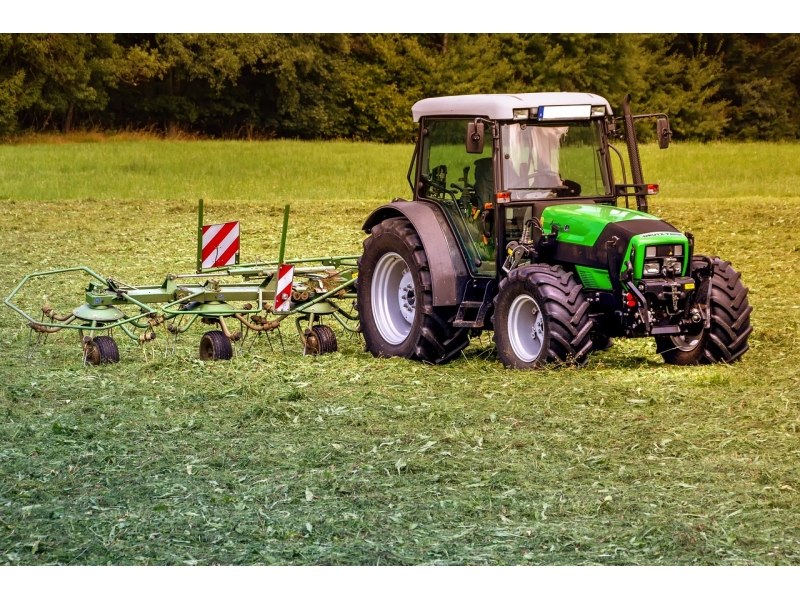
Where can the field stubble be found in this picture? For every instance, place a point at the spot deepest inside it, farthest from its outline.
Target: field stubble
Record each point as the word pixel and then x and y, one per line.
pixel 344 459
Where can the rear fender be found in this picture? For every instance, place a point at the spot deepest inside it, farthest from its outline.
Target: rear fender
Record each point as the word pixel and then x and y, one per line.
pixel 449 273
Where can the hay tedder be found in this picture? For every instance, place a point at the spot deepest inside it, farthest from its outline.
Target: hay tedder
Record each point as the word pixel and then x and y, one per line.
pixel 241 301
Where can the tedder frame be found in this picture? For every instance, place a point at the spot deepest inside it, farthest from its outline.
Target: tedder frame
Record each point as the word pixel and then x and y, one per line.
pixel 310 289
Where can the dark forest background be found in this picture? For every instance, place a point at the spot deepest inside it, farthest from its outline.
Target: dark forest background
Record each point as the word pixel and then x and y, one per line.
pixel 362 86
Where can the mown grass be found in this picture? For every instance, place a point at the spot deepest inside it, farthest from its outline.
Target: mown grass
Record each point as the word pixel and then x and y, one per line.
pixel 344 459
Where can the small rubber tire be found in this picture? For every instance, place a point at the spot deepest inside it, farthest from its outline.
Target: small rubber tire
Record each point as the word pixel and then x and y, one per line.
pixel 558 331
pixel 321 340
pixel 103 351
pixel 725 341
pixel 215 346
pixel 428 334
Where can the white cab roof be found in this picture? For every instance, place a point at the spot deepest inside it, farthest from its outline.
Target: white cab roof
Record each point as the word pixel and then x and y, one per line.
pixel 500 106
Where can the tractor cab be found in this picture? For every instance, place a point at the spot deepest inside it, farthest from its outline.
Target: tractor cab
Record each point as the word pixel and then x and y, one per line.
pixel 508 155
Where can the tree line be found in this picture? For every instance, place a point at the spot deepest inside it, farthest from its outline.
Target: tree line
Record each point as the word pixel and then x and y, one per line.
pixel 362 86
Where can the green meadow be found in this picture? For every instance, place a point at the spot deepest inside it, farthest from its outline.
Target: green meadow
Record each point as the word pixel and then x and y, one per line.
pixel 277 458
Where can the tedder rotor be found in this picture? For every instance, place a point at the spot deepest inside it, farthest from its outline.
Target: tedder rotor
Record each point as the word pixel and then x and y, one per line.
pixel 238 300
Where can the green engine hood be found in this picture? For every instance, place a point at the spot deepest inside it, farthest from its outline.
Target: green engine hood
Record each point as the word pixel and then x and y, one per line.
pixel 585 230
pixel 582 224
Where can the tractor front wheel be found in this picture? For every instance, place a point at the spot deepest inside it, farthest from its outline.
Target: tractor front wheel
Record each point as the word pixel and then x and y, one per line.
pixel 540 316
pixel 395 298
pixel 726 339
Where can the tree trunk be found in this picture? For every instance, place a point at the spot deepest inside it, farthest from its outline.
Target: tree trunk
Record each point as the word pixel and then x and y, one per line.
pixel 66 126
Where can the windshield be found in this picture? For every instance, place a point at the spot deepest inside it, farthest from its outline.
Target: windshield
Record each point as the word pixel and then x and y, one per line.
pixel 550 161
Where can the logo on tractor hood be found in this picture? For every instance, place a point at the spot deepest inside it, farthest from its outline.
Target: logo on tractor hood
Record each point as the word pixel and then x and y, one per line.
pixel 657 234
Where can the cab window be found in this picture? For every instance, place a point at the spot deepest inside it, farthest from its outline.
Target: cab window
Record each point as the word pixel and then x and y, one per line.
pixel 463 184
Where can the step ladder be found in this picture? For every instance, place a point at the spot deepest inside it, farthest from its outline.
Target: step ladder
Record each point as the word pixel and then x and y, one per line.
pixel 482 306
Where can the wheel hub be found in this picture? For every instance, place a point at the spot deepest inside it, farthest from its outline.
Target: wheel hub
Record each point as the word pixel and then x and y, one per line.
pixel 688 341
pixel 393 298
pixel 407 297
pixel 526 328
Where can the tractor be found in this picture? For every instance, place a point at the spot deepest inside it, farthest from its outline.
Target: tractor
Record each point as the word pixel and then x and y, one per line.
pixel 515 225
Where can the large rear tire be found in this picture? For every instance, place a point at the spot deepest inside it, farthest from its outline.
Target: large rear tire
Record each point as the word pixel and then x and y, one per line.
pixel 540 316
pixel 726 340
pixel 395 298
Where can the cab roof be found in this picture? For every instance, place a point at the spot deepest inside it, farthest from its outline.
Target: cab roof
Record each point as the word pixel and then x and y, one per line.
pixel 500 106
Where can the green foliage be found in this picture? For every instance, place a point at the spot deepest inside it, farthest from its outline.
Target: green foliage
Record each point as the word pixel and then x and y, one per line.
pixel 362 86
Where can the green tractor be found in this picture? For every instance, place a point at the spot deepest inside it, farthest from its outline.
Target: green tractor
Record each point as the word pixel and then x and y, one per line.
pixel 515 226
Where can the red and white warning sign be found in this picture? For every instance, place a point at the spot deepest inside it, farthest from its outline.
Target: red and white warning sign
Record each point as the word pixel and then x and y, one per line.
pixel 283 293
pixel 220 244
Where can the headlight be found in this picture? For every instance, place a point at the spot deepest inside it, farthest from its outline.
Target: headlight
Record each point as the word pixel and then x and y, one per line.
pixel 651 268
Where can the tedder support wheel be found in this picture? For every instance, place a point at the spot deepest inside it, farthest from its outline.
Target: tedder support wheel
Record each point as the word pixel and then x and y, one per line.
pixel 540 316
pixel 101 350
pixel 726 339
pixel 395 298
pixel 215 346
pixel 321 340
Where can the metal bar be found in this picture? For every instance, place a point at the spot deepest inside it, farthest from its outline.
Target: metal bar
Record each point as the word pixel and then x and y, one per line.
pixel 129 333
pixel 137 303
pixel 200 235
pixel 293 261
pixel 633 152
pixel 8 302
pixel 246 272
pixel 344 324
pixel 282 253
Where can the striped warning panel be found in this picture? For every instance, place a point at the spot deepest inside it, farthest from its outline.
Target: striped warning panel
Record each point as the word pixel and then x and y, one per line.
pixel 220 244
pixel 283 293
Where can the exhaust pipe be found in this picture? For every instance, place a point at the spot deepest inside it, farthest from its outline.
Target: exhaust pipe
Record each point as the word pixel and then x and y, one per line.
pixel 633 152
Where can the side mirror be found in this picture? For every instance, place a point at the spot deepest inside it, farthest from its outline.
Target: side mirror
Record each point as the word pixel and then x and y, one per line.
pixel 663 132
pixel 475 138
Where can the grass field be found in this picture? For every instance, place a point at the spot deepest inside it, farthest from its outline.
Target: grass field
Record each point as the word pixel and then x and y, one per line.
pixel 345 459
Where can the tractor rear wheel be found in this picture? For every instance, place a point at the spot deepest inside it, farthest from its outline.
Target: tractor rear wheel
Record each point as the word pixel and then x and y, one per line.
pixel 395 298
pixel 726 340
pixel 215 346
pixel 540 316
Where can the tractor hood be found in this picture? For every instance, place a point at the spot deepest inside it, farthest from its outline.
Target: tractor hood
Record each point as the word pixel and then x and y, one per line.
pixel 587 233
pixel 583 224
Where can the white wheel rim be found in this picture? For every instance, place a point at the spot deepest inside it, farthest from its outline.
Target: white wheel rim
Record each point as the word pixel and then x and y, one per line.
pixel 393 298
pixel 526 328
pixel 686 343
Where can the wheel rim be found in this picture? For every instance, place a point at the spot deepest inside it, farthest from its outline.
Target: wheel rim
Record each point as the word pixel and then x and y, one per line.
pixel 526 328
pixel 393 298
pixel 686 343
pixel 206 348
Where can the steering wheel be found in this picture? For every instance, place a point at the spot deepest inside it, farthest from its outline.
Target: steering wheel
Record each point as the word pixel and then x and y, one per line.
pixel 570 189
pixel 436 185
